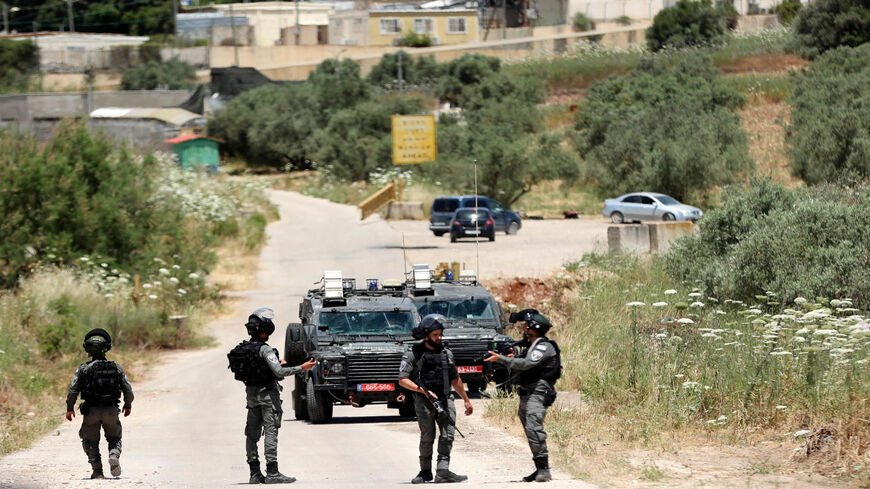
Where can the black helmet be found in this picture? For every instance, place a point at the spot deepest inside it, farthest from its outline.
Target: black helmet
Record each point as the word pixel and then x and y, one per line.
pixel 97 342
pixel 428 324
pixel 536 321
pixel 260 321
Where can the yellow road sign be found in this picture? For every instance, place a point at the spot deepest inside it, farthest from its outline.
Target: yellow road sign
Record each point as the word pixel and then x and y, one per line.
pixel 414 139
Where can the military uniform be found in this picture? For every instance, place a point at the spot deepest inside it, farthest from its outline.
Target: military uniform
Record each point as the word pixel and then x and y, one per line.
pixel 433 371
pixel 264 408
pixel 539 367
pixel 100 384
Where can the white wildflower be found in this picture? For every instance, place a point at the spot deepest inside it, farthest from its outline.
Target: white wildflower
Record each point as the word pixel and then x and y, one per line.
pixel 781 407
pixel 695 294
pixel 781 353
pixel 800 433
pixel 193 276
pixel 670 292
pixel 174 280
pixel 109 295
pixel 690 385
pixel 163 271
pixel 182 292
pixel 696 304
pixel 660 304
pixel 685 321
pixel 635 304
pixel 152 296
pixel 146 286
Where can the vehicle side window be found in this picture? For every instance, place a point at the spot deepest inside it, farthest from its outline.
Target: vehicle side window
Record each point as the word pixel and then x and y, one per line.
pixel 445 205
pixel 496 206
pixel 631 199
pixel 646 200
pixel 469 202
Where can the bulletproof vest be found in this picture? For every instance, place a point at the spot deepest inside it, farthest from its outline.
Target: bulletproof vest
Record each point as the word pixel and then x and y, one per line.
pixel 433 369
pixel 102 383
pixel 248 366
pixel 550 371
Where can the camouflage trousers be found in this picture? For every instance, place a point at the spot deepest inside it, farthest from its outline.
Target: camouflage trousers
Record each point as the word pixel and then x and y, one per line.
pixel 105 418
pixel 427 419
pixel 264 417
pixel 532 412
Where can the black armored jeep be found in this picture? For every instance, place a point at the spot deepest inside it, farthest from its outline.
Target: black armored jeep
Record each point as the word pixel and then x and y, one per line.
pixel 358 336
pixel 474 323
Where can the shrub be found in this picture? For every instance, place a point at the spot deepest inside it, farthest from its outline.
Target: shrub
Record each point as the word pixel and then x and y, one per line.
pixel 688 23
pixel 665 129
pixel 414 40
pixel 168 75
pixel 829 135
pixel 18 60
pixel 807 241
pixel 582 23
pixel 787 11
pixel 827 24
pixel 78 195
pixel 463 73
pixel 337 85
pixel 623 20
pixel 424 71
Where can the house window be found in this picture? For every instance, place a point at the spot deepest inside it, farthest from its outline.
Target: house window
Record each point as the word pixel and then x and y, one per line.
pixel 456 25
pixel 391 26
pixel 423 26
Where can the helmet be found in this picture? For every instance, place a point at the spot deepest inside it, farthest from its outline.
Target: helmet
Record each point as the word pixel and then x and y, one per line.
pixel 428 324
pixel 536 321
pixel 260 321
pixel 97 342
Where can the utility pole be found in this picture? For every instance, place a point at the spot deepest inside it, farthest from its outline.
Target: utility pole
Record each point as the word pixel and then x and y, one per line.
pixel 296 27
pixel 69 13
pixel 235 44
pixel 504 19
pixel 400 56
pixel 5 18
pixel 175 21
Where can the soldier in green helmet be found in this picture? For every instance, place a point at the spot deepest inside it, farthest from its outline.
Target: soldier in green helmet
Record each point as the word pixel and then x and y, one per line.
pixel 101 384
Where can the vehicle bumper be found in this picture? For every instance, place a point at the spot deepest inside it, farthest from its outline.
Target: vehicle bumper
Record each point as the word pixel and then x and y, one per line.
pixel 439 227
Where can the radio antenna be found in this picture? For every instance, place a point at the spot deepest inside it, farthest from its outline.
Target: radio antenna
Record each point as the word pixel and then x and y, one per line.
pixel 477 223
pixel 404 258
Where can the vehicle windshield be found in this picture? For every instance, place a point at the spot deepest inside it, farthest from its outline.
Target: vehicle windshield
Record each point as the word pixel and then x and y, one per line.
pixel 374 322
pixel 458 309
pixel 472 215
pixel 666 200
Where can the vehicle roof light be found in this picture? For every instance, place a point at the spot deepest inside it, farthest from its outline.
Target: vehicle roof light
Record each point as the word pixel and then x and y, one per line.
pixel 332 284
pixel 467 276
pixel 392 284
pixel 422 276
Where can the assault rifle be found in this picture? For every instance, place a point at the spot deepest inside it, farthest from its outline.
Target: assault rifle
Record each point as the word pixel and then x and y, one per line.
pixel 441 414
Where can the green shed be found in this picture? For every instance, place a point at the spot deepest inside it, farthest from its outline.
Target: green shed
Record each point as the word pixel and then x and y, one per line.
pixel 194 150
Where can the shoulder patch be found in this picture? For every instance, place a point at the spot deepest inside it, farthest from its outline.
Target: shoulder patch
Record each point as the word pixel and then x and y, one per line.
pixel 403 364
pixel 536 355
pixel 541 347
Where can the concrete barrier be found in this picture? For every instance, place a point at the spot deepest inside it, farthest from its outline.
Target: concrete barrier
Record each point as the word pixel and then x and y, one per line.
pixel 405 210
pixel 661 234
pixel 653 237
pixel 628 238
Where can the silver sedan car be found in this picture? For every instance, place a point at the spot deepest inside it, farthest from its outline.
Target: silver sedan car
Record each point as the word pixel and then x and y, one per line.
pixel 648 206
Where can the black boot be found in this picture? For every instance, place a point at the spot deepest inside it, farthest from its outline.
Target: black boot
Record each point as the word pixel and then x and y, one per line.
pixel 275 477
pixel 543 472
pixel 531 477
pixel 257 477
pixel 425 474
pixel 444 475
pixel 98 471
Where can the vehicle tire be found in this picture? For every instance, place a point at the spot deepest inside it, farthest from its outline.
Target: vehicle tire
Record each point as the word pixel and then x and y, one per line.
pixel 512 228
pixel 668 217
pixel 438 233
pixel 617 217
pixel 407 409
pixel 452 238
pixel 477 385
pixel 319 404
pixel 300 408
pixel 492 236
pixel 294 347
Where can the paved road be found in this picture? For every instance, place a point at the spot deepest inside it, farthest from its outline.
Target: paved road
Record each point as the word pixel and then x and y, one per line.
pixel 188 418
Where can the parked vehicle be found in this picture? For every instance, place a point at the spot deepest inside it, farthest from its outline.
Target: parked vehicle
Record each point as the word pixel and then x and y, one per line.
pixel 648 206
pixel 443 209
pixel 474 222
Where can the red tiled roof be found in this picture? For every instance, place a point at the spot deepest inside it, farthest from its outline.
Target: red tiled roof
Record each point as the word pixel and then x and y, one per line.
pixel 189 137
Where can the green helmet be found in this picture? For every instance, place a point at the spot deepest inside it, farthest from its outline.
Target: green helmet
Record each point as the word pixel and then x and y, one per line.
pixel 97 342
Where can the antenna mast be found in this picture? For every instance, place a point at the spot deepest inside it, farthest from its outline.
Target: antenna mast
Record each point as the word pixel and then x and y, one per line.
pixel 477 223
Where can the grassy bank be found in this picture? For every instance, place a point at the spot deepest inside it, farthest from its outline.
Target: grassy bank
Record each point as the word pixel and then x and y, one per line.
pixel 661 366
pixel 162 306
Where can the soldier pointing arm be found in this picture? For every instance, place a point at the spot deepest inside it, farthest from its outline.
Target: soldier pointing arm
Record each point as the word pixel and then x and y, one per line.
pixel 539 367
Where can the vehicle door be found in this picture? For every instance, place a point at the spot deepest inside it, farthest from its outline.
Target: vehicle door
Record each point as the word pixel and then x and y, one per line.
pixel 647 208
pixel 630 207
pixel 499 215
pixel 443 209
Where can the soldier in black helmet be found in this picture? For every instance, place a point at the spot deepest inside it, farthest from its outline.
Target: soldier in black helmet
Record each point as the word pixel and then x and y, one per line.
pixel 429 371
pixel 256 364
pixel 100 383
pixel 539 367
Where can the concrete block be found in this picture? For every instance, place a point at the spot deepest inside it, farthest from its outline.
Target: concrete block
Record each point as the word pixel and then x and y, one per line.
pixel 661 234
pixel 405 210
pixel 628 238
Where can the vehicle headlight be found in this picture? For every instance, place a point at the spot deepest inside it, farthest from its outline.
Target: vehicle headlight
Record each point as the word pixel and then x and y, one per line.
pixel 331 367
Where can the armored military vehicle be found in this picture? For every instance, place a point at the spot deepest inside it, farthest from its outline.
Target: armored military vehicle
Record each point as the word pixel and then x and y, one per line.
pixel 357 335
pixel 474 318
